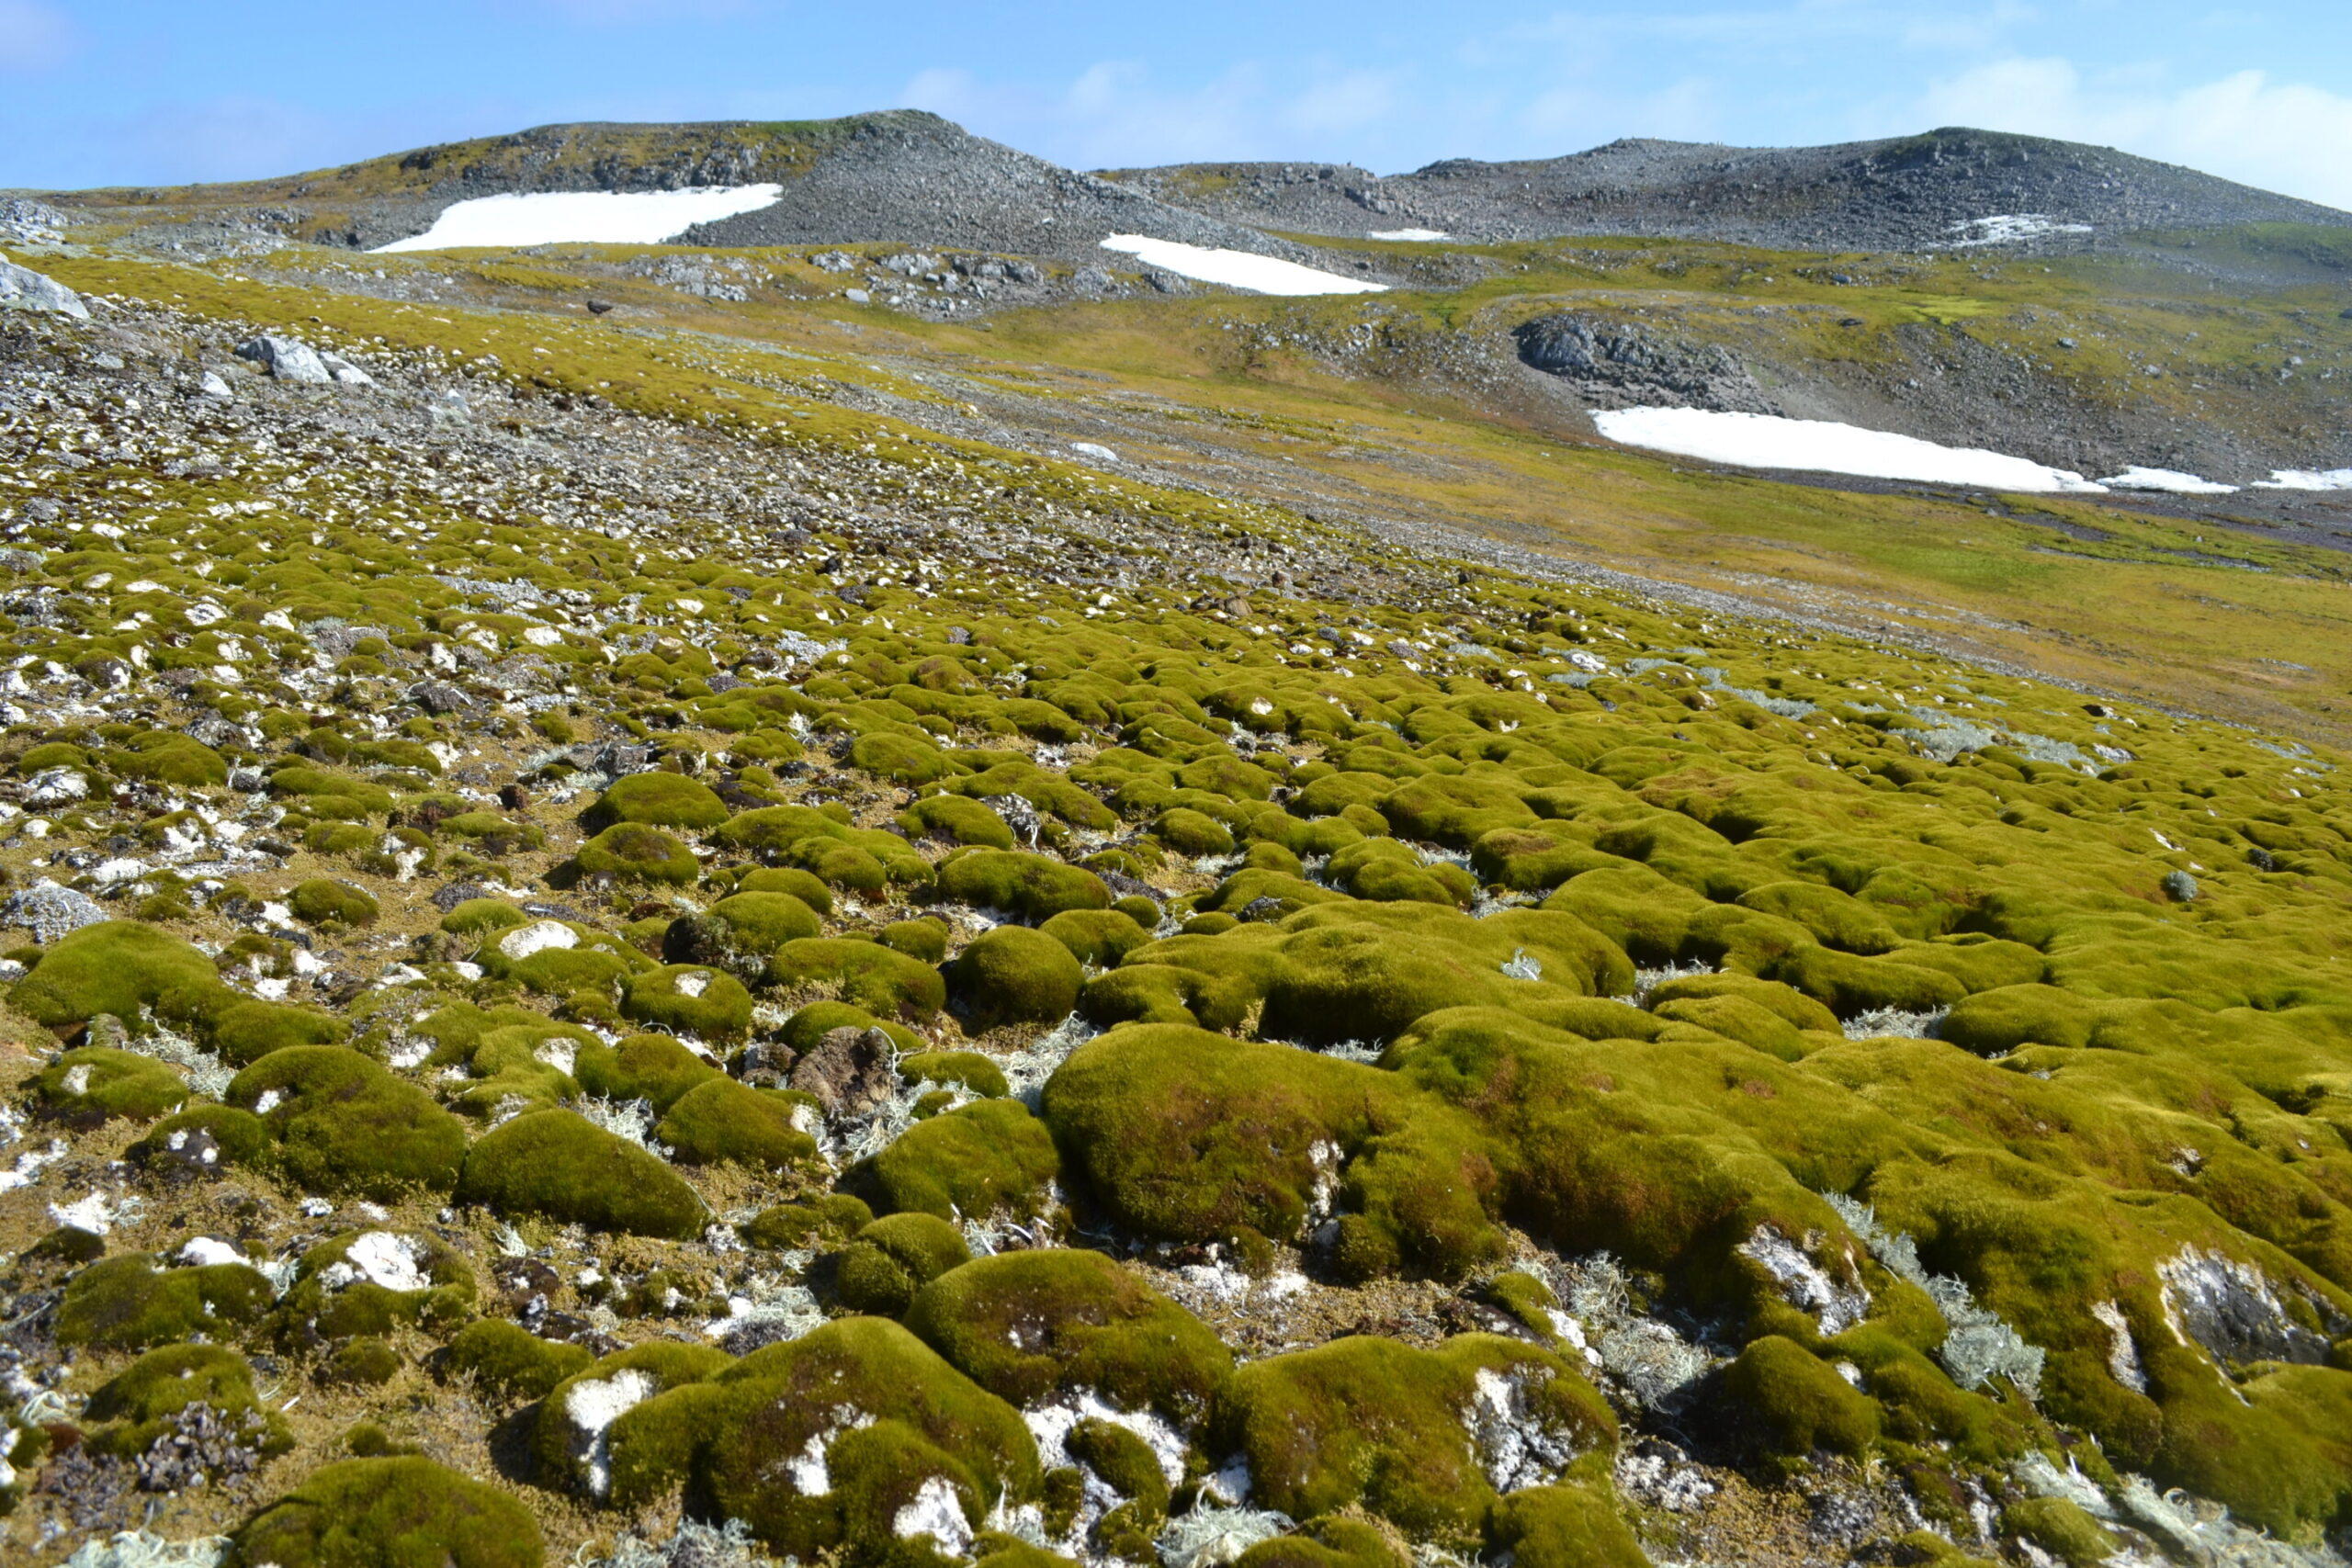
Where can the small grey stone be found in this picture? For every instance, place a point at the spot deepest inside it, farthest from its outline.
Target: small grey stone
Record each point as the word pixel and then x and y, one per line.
pixel 851 1071
pixel 51 912
pixel 287 360
pixel 441 697
pixel 213 386
pixel 22 288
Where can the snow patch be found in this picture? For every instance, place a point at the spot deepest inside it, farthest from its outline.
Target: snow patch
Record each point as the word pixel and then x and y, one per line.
pixel 1516 1448
pixel 1417 236
pixel 1236 269
pixel 592 217
pixel 389 1260
pixel 1766 441
pixel 2307 479
pixel 2008 229
pixel 2169 481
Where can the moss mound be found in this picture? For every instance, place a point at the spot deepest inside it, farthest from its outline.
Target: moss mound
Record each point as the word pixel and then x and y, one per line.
pixel 97 1083
pixel 557 1165
pixel 891 1259
pixel 976 1161
pixel 1025 1325
pixel 1028 886
pixel 632 852
pixel 339 1123
pixel 1379 1424
pixel 721 1121
pixel 656 799
pixel 141 1403
pixel 933 1432
pixel 129 1302
pixel 120 967
pixel 1562 1526
pixel 689 999
pixel 508 1361
pixel 883 982
pixel 336 905
pixel 651 1068
pixel 390 1513
pixel 1013 974
pixel 1793 1404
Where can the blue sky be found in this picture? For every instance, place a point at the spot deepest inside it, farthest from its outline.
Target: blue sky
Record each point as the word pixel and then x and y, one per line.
pixel 148 91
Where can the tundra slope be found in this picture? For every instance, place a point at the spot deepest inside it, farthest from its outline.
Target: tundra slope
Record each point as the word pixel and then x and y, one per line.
pixel 1581 1056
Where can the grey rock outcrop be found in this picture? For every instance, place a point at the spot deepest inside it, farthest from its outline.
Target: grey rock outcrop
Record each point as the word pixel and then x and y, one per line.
pixel 852 1071
pixel 22 288
pixel 1616 364
pixel 288 360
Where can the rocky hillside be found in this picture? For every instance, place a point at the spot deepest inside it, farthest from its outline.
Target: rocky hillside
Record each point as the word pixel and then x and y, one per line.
pixel 1918 193
pixel 901 177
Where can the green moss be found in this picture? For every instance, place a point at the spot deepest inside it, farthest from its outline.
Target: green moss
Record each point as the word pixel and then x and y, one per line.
pixel 925 940
pixel 479 917
pixel 2061 1530
pixel 509 1362
pixel 1379 1424
pixel 1329 1542
pixel 556 1165
pixel 364 1362
pixel 1562 1526
pixel 128 1303
pixel 690 999
pixel 656 799
pixel 893 1257
pixel 808 1026
pixel 324 901
pixel 340 1123
pixel 169 758
pixel 1014 974
pixel 634 852
pixel 974 1162
pixel 246 1030
pixel 759 923
pixel 655 1368
pixel 118 967
pixel 333 1298
pixel 1028 1324
pixel 835 1217
pixel 139 1404
pixel 1099 938
pixel 651 1068
pixel 969 1069
pixel 722 1122
pixel 789 879
pixel 955 816
pixel 900 758
pixel 928 1422
pixel 883 982
pixel 1190 833
pixel 390 1513
pixel 98 1083
pixel 1027 886
pixel 1792 1403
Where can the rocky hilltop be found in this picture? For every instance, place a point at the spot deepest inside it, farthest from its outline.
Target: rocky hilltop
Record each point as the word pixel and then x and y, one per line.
pixel 1916 193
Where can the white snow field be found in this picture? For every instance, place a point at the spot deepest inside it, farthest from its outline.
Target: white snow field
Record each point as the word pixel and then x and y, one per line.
pixel 1762 441
pixel 2304 479
pixel 2170 480
pixel 1236 269
pixel 2008 229
pixel 584 217
pixel 1420 235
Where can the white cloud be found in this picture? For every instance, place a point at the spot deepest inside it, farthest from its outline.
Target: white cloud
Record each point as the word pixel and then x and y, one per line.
pixel 33 36
pixel 2282 136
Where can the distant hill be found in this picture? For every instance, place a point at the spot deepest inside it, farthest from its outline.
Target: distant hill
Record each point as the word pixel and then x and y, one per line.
pixel 1913 193
pixel 902 176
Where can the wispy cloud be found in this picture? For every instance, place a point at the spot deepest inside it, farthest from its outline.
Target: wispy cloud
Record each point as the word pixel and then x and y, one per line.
pixel 33 36
pixel 2284 135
